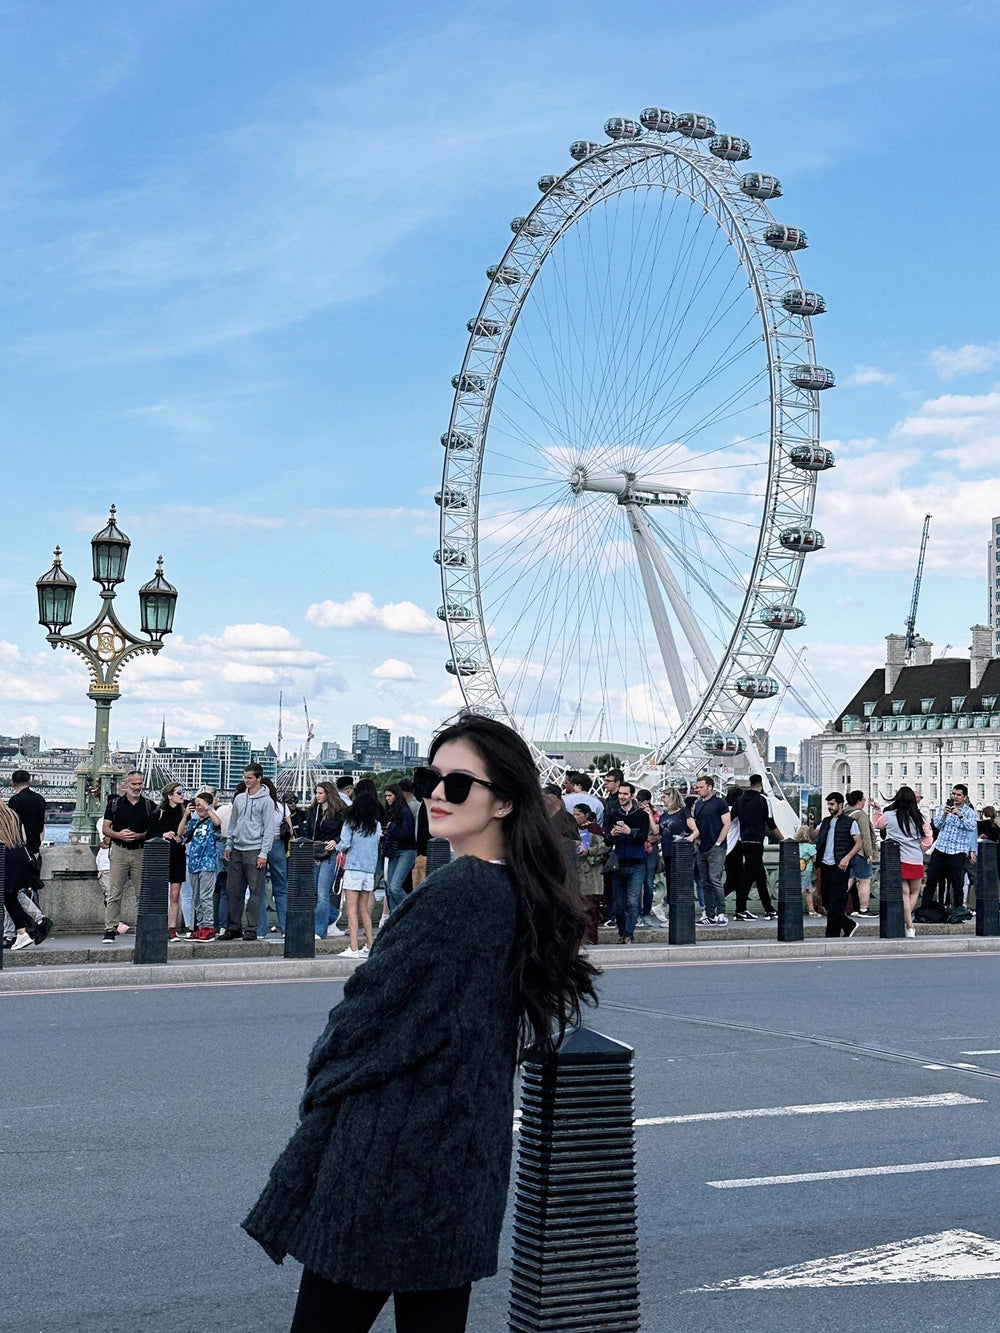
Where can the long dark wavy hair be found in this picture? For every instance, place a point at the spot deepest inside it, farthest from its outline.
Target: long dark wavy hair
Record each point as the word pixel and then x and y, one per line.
pixel 908 816
pixel 365 813
pixel 396 812
pixel 550 977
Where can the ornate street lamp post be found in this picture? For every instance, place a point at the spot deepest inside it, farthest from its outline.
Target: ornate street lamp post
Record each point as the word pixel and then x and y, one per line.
pixel 105 645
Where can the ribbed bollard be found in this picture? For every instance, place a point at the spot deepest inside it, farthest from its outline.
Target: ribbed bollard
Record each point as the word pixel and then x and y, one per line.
pixel 438 854
pixel 300 918
pixel 891 925
pixel 680 929
pixel 575 1263
pixel 789 892
pixel 987 906
pixel 151 917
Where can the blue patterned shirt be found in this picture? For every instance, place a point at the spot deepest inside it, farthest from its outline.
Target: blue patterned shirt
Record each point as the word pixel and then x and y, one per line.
pixel 958 830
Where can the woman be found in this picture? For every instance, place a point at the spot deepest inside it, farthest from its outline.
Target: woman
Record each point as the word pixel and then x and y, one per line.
pixel 169 822
pixel 644 800
pixel 673 824
pixel 987 828
pixel 417 1063
pixel 18 873
pixel 400 845
pixel 322 824
pixel 359 844
pixel 902 823
pixel 593 852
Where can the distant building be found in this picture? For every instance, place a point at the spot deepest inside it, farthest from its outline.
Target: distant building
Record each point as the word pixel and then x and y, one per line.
pixel 330 752
pixel 233 754
pixel 761 740
pixel 268 760
pixel 993 586
pixel 369 743
pixel 408 748
pixel 925 726
pixel 782 769
pixel 811 761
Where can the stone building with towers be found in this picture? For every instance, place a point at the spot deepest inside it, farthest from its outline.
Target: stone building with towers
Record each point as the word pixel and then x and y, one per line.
pixel 926 724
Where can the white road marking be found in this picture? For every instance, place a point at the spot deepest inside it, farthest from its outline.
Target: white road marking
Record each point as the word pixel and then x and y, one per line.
pixel 950 1256
pixel 963 1064
pixel 980 1052
pixel 905 1168
pixel 820 1108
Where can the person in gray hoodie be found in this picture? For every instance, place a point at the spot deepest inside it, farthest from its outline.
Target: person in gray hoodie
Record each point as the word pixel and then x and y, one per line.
pixel 251 832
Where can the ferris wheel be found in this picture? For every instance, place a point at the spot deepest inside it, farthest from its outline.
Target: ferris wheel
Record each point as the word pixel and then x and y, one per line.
pixel 631 459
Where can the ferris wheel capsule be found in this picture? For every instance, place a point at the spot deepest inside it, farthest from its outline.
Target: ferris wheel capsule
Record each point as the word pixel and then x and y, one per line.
pixel 467 382
pixel 554 185
pixel 782 617
pixel 659 120
pixel 799 302
pixel 462 666
pixel 454 611
pixel 812 457
pixel 729 148
pixel 455 440
pixel 757 687
pixel 780 237
pixel 452 556
pixel 757 185
pixel 695 126
pixel 484 328
pixel 450 498
pixel 812 377
pixel 802 539
pixel 724 744
pixel 527 226
pixel 505 274
pixel 620 128
pixel 582 148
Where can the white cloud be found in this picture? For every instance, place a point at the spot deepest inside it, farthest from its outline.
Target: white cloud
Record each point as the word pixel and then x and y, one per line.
pixel 967 425
pixel 869 375
pixel 971 359
pixel 361 612
pixel 393 669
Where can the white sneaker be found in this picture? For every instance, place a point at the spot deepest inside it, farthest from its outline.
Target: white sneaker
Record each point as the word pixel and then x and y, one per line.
pixel 722 919
pixel 334 933
pixel 911 933
pixel 351 953
pixel 704 920
pixel 21 942
pixel 660 914
pixel 319 937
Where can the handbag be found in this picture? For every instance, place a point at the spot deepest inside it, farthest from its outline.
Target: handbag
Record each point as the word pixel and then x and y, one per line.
pixel 611 864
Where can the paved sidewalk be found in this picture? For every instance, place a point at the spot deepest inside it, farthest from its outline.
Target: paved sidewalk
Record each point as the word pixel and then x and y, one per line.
pixel 80 963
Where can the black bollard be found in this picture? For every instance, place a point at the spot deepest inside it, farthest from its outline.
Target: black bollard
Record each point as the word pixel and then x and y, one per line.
pixel 151 918
pixel 789 892
pixel 891 925
pixel 680 929
pixel 987 905
pixel 575 1261
pixel 2 869
pixel 300 917
pixel 438 854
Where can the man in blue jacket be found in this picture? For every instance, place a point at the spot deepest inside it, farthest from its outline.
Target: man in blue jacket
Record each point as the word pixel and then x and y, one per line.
pixel 627 836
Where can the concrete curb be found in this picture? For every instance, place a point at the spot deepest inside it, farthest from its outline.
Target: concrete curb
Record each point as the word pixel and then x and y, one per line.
pixel 332 967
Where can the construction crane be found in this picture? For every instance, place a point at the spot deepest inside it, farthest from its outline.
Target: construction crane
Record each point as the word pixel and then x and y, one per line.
pixel 911 620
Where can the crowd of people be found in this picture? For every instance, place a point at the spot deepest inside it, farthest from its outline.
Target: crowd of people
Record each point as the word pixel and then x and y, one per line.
pixel 228 860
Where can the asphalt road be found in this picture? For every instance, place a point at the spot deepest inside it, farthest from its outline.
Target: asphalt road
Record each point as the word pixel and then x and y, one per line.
pixel 139 1124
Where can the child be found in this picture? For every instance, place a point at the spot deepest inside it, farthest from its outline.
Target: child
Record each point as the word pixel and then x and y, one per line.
pixel 807 861
pixel 201 832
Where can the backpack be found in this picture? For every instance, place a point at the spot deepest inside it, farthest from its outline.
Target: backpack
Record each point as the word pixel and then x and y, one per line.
pixel 147 802
pixel 932 913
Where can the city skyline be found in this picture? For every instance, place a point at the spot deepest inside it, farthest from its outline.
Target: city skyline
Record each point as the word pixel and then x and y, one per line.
pixel 228 293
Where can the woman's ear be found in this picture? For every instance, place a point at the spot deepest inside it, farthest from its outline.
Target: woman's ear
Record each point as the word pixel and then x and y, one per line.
pixel 503 808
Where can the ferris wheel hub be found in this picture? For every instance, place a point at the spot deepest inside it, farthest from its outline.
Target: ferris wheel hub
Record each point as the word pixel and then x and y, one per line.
pixel 630 488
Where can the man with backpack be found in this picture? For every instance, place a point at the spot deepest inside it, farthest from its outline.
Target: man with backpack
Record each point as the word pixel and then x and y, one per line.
pixel 126 824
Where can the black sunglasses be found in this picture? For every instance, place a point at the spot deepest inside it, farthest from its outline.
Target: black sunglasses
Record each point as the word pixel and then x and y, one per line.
pixel 456 785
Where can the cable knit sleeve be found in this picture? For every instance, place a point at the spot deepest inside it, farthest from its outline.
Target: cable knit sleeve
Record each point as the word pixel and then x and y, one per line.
pixel 389 1019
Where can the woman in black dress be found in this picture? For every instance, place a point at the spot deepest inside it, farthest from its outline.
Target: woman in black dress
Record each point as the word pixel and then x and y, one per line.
pixel 169 820
pixel 395 1181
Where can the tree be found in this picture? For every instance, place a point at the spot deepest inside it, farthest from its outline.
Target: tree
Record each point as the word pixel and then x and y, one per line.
pixel 602 762
pixel 387 779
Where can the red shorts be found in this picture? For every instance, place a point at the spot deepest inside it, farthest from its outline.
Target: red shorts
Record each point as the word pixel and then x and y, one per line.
pixel 911 872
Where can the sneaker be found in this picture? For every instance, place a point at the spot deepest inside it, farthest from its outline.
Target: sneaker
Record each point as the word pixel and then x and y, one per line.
pixel 230 935
pixel 43 930
pixel 608 925
pixel 704 920
pixel 722 919
pixel 8 941
pixel 208 935
pixel 660 914
pixel 770 916
pixel 745 916
pixel 351 953
pixel 21 942
pixel 334 933
pixel 250 936
pixel 173 936
pixel 110 936
pixel 272 930
pixel 869 911
pixel 853 927
pixel 911 933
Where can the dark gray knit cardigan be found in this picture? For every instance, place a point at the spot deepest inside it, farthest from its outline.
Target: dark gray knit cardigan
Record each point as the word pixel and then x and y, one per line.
pixel 396 1178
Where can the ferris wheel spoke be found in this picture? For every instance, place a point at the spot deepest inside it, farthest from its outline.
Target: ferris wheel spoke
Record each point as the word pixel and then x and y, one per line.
pixel 662 449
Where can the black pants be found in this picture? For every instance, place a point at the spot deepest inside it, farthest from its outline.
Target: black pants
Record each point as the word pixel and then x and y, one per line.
pixel 949 867
pixel 331 1307
pixel 753 873
pixel 833 882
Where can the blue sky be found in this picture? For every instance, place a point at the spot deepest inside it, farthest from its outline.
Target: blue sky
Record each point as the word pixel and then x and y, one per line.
pixel 241 244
